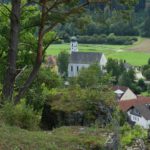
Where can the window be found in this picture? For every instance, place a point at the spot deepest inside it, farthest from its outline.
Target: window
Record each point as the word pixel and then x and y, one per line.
pixel 77 68
pixel 135 118
pixel 71 68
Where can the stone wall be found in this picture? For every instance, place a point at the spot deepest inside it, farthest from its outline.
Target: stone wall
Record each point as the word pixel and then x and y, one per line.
pixel 138 144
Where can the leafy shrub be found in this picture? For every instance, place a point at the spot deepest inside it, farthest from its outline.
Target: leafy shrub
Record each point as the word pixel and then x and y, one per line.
pixel 20 115
pixel 0 92
pixel 36 95
pixel 78 106
pixel 146 73
pixel 128 134
pixel 104 39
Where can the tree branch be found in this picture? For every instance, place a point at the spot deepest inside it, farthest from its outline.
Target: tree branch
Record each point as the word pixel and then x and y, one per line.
pixel 39 56
pixel 1 3
pixel 30 3
pixel 46 47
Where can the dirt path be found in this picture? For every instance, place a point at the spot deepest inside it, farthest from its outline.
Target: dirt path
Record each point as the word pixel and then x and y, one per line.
pixel 143 46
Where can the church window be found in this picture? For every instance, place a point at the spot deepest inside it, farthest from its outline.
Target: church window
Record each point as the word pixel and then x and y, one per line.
pixel 71 68
pixel 77 68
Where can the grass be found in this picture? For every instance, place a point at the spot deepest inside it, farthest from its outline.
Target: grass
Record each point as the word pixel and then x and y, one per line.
pixel 64 138
pixel 111 51
pixel 148 144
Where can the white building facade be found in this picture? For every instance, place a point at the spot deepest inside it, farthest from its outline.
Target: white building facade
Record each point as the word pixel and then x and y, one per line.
pixel 83 60
pixel 140 115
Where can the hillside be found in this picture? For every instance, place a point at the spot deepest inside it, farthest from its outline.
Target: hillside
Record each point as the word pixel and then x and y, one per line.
pixel 64 138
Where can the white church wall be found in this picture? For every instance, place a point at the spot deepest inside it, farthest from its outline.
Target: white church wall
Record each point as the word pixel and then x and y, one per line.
pixel 103 60
pixel 73 69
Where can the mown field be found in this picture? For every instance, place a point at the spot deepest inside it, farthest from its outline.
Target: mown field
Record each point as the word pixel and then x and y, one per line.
pixel 123 52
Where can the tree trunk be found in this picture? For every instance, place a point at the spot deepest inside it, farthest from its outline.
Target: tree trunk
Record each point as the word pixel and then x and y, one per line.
pixel 38 58
pixel 40 50
pixel 9 80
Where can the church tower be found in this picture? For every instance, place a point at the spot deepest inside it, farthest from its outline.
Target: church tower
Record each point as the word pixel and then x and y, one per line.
pixel 74 44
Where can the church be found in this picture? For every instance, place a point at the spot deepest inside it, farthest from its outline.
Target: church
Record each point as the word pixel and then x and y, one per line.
pixel 79 60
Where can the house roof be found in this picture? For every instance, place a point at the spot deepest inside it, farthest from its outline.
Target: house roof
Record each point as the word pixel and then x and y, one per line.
pixel 73 38
pixel 127 66
pixel 117 87
pixel 119 91
pixel 125 105
pixel 144 111
pixel 52 60
pixel 85 57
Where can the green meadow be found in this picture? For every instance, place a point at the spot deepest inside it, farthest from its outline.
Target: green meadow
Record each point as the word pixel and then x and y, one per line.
pixel 111 51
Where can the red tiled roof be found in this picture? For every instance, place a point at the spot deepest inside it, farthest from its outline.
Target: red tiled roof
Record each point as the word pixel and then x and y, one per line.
pixel 126 104
pixel 51 60
pixel 122 88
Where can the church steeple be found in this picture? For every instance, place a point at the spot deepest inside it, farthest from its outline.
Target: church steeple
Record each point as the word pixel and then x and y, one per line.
pixel 74 44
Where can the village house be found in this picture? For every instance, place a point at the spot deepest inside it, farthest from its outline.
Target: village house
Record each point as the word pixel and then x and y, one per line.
pixel 138 110
pixel 123 93
pixel 79 60
pixel 136 107
pixel 140 115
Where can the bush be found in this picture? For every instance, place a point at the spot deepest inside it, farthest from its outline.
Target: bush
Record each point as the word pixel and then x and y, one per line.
pixel 78 106
pixel 36 95
pixel 111 38
pixel 104 39
pixel 0 93
pixel 128 134
pixel 146 73
pixel 20 115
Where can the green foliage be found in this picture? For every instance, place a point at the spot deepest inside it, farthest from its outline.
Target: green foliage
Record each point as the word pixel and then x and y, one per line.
pixel 37 94
pixel 146 70
pixel 104 39
pixel 128 134
pixel 0 92
pixel 75 99
pixel 89 77
pixel 4 28
pixel 20 115
pixel 50 78
pixel 145 27
pixel 63 60
pixel 126 28
pixel 101 22
pixel 127 78
pixel 146 73
pixel 115 68
pixel 122 117
pixel 142 85
pixel 78 106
